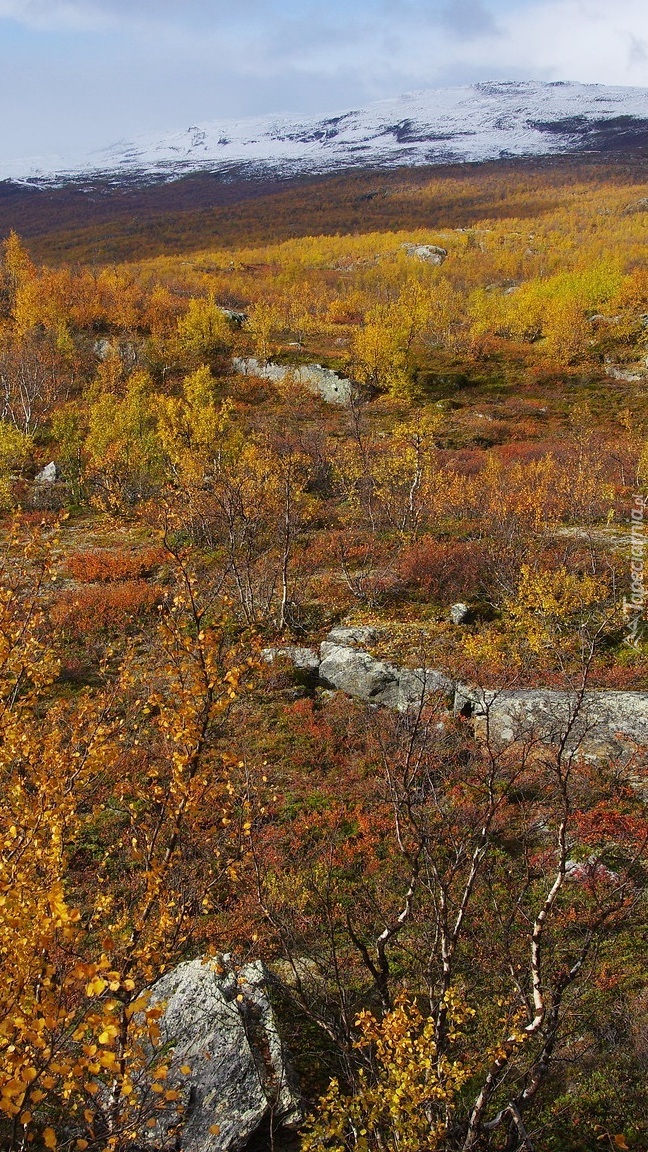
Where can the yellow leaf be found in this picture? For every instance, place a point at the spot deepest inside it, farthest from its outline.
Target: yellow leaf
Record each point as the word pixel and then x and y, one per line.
pixel 185 1069
pixel 49 1138
pixel 96 986
pixel 214 1129
pixel 620 1141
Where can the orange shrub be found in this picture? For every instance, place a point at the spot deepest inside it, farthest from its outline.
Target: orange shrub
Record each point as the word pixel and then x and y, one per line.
pixel 108 567
pixel 444 571
pixel 95 609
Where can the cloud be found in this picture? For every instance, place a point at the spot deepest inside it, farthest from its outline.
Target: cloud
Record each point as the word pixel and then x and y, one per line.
pixel 468 19
pixel 85 14
pixel 577 40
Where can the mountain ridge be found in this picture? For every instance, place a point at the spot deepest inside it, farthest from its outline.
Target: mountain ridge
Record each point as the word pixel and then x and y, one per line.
pixel 487 121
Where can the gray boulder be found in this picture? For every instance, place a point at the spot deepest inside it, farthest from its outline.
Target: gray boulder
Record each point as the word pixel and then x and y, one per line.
pixel 630 374
pixel 460 614
pixel 417 684
pixel 220 1024
pixel 321 381
pixel 304 659
pixel 48 474
pixel 377 682
pixel 430 253
pixel 102 348
pixel 238 318
pixel 599 722
pixel 359 674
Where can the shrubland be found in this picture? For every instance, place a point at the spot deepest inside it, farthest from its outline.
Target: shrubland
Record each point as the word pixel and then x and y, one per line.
pixel 459 924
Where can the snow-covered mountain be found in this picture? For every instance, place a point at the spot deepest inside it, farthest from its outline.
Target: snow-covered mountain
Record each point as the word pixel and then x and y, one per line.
pixel 482 122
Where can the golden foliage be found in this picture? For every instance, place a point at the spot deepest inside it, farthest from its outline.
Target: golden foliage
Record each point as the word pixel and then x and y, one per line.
pixel 406 1102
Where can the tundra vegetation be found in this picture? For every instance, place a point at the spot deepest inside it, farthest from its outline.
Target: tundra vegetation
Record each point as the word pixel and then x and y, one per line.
pixel 458 925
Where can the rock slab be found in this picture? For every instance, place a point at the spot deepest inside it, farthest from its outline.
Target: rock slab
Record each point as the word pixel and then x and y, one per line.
pixel 358 673
pixel 322 381
pixel 48 474
pixel 221 1025
pixel 598 722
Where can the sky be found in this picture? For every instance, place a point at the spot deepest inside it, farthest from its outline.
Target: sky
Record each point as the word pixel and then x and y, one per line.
pixel 78 75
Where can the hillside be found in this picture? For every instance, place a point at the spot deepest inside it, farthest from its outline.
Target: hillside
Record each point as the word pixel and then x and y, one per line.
pixel 486 121
pixel 323 660
pixel 103 224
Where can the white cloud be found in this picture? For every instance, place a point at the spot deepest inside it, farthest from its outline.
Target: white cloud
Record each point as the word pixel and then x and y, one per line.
pixel 427 41
pixel 575 40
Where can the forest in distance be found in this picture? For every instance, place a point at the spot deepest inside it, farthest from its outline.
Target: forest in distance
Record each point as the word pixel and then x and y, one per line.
pixel 454 916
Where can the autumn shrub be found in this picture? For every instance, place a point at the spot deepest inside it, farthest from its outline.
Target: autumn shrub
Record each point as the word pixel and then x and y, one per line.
pixel 408 1101
pixel 45 518
pixel 97 609
pixel 106 567
pixel 444 570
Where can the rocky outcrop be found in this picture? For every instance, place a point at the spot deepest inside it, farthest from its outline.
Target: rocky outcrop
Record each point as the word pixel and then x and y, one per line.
pixel 305 659
pixel 220 1025
pixel 355 637
pixel 631 374
pixel 47 475
pixel 359 674
pixel 598 722
pixel 430 253
pixel 321 381
pixel 237 318
pixel 48 493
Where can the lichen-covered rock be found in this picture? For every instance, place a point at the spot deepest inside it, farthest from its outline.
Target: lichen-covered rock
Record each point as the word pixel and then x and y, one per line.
pixel 361 675
pixel 460 614
pixel 319 380
pixel 304 659
pixel 219 1024
pixel 430 253
pixel 376 681
pixel 47 475
pixel 598 722
pixel 238 318
pixel 415 685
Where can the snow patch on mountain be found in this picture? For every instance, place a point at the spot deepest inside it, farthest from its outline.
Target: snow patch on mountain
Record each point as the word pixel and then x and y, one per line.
pixel 482 122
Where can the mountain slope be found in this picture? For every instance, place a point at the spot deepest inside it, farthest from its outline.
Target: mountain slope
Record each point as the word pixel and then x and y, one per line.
pixel 483 122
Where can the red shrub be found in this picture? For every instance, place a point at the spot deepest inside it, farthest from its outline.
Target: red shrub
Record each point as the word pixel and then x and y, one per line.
pixel 43 518
pixel 96 609
pixel 109 567
pixel 444 570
